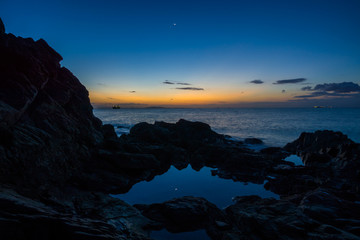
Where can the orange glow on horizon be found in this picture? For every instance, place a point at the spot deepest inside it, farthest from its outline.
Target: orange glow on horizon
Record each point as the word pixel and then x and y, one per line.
pixel 183 97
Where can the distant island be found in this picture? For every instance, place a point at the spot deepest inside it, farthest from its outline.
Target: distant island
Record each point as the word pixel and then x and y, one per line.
pixel 153 107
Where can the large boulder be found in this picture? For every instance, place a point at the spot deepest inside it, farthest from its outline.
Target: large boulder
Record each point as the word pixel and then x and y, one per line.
pixel 187 134
pixel 47 128
pixel 188 214
pixel 330 152
pixel 258 218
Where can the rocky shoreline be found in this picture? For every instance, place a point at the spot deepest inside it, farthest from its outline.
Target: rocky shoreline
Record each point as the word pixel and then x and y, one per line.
pixel 59 165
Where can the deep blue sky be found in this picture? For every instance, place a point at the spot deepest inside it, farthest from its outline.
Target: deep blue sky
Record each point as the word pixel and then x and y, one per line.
pixel 123 51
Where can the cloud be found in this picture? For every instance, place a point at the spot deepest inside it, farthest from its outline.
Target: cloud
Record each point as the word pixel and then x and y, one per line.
pixel 308 88
pixel 190 88
pixel 287 81
pixel 168 82
pixel 132 91
pixel 283 91
pixel 181 83
pixel 101 84
pixel 257 81
pixel 178 83
pixel 344 89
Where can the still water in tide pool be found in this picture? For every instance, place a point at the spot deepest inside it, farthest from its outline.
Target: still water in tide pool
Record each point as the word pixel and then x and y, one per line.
pixel 188 182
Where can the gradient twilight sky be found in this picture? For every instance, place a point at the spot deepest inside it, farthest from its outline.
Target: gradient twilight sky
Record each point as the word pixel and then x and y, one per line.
pixel 202 53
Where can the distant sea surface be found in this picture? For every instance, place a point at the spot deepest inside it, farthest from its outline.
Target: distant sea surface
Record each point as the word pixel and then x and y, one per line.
pixel 275 126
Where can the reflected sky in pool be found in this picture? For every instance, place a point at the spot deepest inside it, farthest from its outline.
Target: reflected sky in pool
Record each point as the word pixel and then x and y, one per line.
pixel 188 182
pixel 295 159
pixel 165 235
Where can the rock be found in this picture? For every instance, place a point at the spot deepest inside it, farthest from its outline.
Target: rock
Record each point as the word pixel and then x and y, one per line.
pixel 110 137
pixel 253 141
pixel 122 160
pixel 258 218
pixel 196 131
pixel 109 132
pixel 185 214
pixel 324 149
pixel 331 154
pixel 150 133
pixel 24 218
pixel 322 205
pixel 47 115
pixel 49 144
pixel 291 182
pixel 2 27
pixel 184 133
pixel 317 141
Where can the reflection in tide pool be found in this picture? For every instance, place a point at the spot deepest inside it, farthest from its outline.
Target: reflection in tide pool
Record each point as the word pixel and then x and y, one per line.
pixel 188 182
pixel 295 159
pixel 165 235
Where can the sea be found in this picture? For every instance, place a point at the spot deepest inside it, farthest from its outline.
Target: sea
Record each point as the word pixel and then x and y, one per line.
pixel 275 127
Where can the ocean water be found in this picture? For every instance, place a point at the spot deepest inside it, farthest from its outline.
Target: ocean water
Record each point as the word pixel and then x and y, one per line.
pixel 275 127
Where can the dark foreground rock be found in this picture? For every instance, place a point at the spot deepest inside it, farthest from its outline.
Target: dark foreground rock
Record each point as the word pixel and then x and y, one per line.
pixel 252 217
pixel 49 140
pixel 253 141
pixel 58 165
pixel 97 217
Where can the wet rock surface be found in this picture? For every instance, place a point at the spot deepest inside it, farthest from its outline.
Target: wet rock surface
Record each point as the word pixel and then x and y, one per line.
pixel 58 165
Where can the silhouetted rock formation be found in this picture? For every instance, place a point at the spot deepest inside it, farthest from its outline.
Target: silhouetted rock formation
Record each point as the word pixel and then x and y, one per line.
pixel 46 118
pixel 325 149
pixel 48 137
pixel 253 141
pixel 2 27
pixel 331 153
pixel 184 214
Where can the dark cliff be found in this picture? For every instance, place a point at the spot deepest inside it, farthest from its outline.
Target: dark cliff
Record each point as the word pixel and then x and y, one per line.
pixel 49 138
pixel 46 122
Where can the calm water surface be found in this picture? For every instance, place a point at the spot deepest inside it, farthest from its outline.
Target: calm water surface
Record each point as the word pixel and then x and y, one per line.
pixel 188 182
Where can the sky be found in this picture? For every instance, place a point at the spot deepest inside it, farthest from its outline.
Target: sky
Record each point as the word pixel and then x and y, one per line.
pixel 201 53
